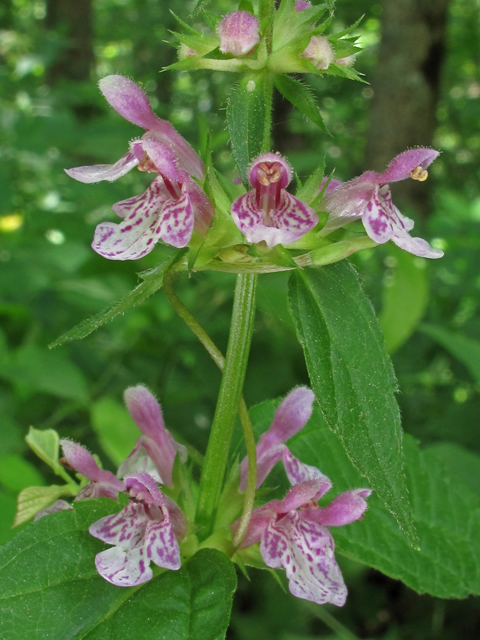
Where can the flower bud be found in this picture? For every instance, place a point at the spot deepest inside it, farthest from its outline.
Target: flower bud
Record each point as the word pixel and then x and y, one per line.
pixel 319 52
pixel 238 33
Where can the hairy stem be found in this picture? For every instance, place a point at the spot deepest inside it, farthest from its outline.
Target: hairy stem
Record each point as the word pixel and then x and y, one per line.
pixel 222 428
pixel 219 359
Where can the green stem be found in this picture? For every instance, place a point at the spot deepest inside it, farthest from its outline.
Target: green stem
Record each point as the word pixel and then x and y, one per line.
pixel 216 458
pixel 219 359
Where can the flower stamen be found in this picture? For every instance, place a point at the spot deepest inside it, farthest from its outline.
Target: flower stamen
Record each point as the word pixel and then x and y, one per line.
pixel 419 173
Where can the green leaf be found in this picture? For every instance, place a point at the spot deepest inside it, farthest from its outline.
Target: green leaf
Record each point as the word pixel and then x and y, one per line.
pixel 301 98
pixel 115 429
pixel 353 378
pixel 49 587
pixel 465 349
pixel 246 114
pixel 39 369
pixel 405 297
pixel 17 473
pixel 446 514
pixel 33 499
pixel 459 462
pixel 152 282
pixel 45 444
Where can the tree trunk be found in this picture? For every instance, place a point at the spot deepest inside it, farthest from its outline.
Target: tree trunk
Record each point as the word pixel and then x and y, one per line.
pixel 406 86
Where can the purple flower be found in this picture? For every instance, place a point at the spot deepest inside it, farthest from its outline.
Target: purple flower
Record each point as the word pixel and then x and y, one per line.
pixel 369 197
pixel 173 205
pixel 291 416
pixel 293 534
pixel 103 484
pixel 155 451
pixel 238 33
pixel 145 531
pixel 268 212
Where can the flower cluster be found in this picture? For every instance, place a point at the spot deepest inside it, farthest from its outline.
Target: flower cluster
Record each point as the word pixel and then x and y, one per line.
pixel 149 527
pixel 293 532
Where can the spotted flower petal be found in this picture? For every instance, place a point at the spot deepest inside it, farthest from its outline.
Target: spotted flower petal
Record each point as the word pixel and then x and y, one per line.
pixel 305 550
pixel 99 172
pixel 176 222
pixel 137 234
pixel 287 223
pixel 142 532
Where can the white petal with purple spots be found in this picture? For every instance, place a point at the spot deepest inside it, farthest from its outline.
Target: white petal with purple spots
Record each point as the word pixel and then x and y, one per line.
pixel 175 225
pixel 124 529
pixel 285 224
pixel 123 568
pixel 136 235
pixel 99 172
pixel 161 545
pixel 377 215
pixel 306 551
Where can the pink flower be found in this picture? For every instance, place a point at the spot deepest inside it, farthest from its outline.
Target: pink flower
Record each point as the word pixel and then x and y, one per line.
pixel 238 33
pixel 103 484
pixel 293 534
pixel 369 197
pixel 268 212
pixel 291 416
pixel 173 205
pixel 155 451
pixel 145 531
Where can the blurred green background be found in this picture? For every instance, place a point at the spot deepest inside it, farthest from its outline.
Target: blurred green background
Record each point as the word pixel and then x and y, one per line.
pixel 53 116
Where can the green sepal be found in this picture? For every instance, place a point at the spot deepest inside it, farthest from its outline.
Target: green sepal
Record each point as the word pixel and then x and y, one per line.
pixel 278 255
pixel 344 72
pixel 291 25
pixel 202 43
pixel 310 190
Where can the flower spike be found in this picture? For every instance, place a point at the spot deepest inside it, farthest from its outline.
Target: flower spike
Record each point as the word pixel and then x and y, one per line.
pixel 369 197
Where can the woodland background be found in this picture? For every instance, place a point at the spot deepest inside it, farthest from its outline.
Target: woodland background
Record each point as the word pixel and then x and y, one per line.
pixel 422 65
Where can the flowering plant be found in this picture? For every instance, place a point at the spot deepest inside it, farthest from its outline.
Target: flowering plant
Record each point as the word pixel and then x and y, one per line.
pixel 158 537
